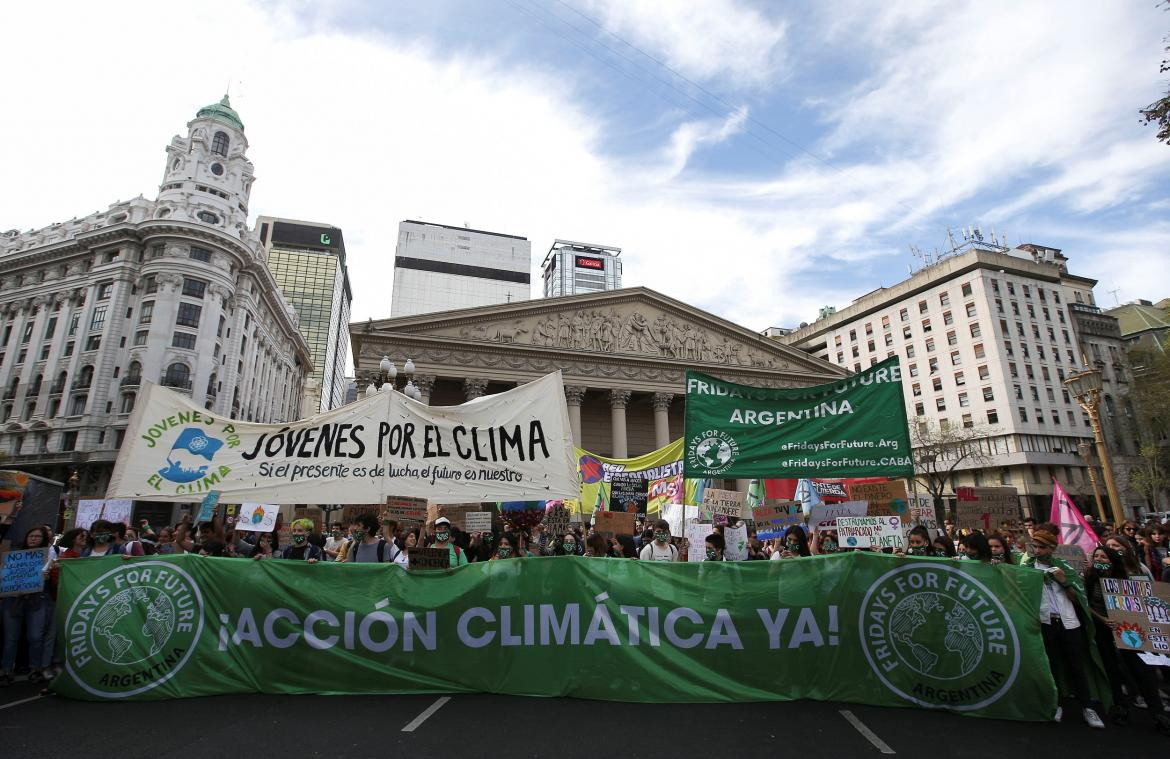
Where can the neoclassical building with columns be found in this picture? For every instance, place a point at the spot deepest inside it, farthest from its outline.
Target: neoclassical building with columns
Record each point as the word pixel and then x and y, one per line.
pixel 623 353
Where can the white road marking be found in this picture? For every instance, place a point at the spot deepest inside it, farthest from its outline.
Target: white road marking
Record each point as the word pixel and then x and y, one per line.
pixel 869 735
pixel 22 701
pixel 414 723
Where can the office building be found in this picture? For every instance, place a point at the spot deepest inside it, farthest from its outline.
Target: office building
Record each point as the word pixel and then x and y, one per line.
pixel 986 336
pixel 308 261
pixel 439 268
pixel 574 268
pixel 170 290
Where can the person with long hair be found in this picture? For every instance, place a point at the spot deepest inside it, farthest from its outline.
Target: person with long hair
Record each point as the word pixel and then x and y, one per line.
pixel 944 546
pixel 506 548
pixel 918 543
pixel 567 545
pixel 713 547
pixel 597 546
pixel 31 613
pixel 975 547
pixel 1152 550
pixel 826 542
pixel 1001 548
pixel 793 544
pixel 1133 566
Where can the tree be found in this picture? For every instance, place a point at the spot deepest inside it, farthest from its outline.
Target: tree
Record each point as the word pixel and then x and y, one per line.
pixel 1150 394
pixel 1149 480
pixel 1158 112
pixel 938 452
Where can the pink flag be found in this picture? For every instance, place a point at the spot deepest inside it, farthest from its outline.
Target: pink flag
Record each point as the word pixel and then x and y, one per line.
pixel 1074 530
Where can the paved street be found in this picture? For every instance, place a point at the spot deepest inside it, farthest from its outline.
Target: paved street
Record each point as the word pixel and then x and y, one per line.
pixel 490 725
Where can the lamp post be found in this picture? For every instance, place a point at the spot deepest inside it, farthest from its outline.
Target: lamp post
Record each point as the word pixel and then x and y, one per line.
pixel 1086 388
pixel 1086 450
pixel 387 379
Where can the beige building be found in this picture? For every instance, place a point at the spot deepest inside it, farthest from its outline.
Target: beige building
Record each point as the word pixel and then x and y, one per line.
pixel 624 355
pixel 986 338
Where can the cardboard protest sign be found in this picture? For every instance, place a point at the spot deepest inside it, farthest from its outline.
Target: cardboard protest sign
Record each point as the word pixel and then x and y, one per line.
pixel 922 513
pixel 405 509
pixel 22 572
pixel 422 559
pixel 735 543
pixel 629 493
pixel 772 518
pixel 729 503
pixel 456 512
pixel 883 497
pixel 258 517
pixel 1141 609
pixel 664 492
pixel 614 523
pixel 986 508
pixel 869 532
pixel 556 520
pixel 1073 554
pixel 478 521
pixel 89 510
pixel 697 533
pixel 824 515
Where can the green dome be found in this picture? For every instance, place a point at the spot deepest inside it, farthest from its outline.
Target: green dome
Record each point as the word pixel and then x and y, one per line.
pixel 222 111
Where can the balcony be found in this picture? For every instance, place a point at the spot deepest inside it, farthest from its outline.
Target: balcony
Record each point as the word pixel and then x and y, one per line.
pixel 82 384
pixel 57 388
pixel 1084 308
pixel 176 383
pixel 131 381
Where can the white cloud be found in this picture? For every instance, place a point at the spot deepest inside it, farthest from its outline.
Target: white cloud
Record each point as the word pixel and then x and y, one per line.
pixel 702 39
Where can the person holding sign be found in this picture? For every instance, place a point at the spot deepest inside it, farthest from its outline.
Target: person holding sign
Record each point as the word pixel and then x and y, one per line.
pixel 795 543
pixel 368 545
pixel 32 613
pixel 1064 640
pixel 660 549
pixel 443 540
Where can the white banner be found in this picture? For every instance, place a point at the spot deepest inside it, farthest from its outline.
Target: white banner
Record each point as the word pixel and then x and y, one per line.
pixel 89 510
pixel 869 532
pixel 513 446
pixel 257 517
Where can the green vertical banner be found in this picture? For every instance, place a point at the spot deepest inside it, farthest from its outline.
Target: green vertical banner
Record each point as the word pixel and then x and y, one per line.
pixel 858 627
pixel 852 428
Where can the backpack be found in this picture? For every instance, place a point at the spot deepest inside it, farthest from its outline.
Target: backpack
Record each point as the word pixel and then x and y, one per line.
pixel 352 555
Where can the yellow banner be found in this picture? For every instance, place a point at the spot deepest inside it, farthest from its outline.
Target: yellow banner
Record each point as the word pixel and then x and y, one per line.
pixel 662 469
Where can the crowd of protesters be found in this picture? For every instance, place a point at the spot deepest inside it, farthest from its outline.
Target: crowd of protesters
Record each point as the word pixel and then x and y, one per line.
pixel 1075 626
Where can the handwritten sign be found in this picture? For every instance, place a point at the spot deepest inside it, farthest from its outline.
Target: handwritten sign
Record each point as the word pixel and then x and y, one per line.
pixel 258 517
pixel 697 533
pixel 884 498
pixel 350 513
pixel 1141 609
pixel 478 521
pixel 22 572
pixel 824 515
pixel 986 508
pixel 614 523
pixel 1073 554
pixel 425 559
pixel 735 543
pixel 773 517
pixel 922 512
pixel 628 492
pixel 869 532
pixel 556 521
pixel 406 509
pixel 89 510
pixel 729 503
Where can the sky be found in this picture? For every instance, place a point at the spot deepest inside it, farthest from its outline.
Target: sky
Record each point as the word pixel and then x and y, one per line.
pixel 756 159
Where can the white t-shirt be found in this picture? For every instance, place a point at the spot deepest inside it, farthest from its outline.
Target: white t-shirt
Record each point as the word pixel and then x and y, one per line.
pixel 653 553
pixel 1055 601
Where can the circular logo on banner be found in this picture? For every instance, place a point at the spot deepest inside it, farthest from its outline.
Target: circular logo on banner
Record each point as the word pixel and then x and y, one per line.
pixel 938 637
pixel 132 629
pixel 713 451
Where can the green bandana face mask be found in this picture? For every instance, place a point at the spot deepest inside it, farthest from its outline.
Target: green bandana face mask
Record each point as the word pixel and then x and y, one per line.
pixel 710 553
pixel 443 536
pixel 1102 566
pixel 101 538
pixel 359 535
pixel 917 550
pixel 298 539
pixel 570 546
pixel 504 552
pixel 829 546
pixel 661 536
pixel 793 546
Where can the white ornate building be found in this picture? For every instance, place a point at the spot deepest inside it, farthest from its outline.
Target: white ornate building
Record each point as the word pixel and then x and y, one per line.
pixel 173 291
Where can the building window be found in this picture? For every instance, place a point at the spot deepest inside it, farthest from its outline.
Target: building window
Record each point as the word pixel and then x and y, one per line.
pixel 988 394
pixel 926 325
pixel 77 406
pixel 93 342
pixel 966 289
pixel 948 319
pixel 201 254
pixel 906 334
pixel 1039 416
pixel 177 375
pixel 930 345
pixel 855 350
pixel 45 352
pixel 869 328
pixel 68 349
pixel 1023 413
pixel 50 328
pixel 933 365
pixel 936 383
pixel 885 322
pixel 870 346
pixel 852 334
pixel 194 288
pixel 183 340
pixel 944 299
pixel 919 409
pixel 956 359
pixel 128 402
pixel 20 357
pixel 922 307
pixel 188 315
pixel 1012 369
pixel 889 340
pixel 960 380
pixel 1019 392
pixel 940 404
pixel 28 330
pixel 104 289
pixel 979 352
pixel 971 311
pixel 904 314
pixel 952 338
pixel 913 370
pixel 836 338
pixel 1015 308
pixel 998 306
pixel 916 389
pixel 968 423
pixel 219 143
pixel 69 440
pixel 140 337
pixel 98 320
pixel 964 402
pixel 151 285
pixel 1044 369
pixel 992 416
pixel 146 312
pixel 840 355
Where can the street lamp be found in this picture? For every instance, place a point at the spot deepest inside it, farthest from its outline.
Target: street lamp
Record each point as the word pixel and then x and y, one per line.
pixel 387 377
pixel 1085 448
pixel 1086 388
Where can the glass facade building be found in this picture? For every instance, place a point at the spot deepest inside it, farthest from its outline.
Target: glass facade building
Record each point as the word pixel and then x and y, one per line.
pixel 571 268
pixel 308 262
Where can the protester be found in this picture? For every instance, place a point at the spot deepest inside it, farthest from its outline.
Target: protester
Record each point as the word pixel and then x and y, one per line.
pixel 1064 639
pixel 369 545
pixel 506 547
pixel 131 545
pixel 944 546
pixel 32 613
pixel 660 548
pixel 597 546
pixel 975 547
pixel 793 544
pixel 1152 544
pixel 102 540
pixel 267 544
pixel 301 549
pixel 1133 566
pixel 918 542
pixel 714 547
pixel 334 543
pixel 165 541
pixel 1001 548
pixel 826 543
pixel 443 540
pixel 567 545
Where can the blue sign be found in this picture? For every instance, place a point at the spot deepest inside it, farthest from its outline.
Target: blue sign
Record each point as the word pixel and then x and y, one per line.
pixel 207 510
pixel 22 572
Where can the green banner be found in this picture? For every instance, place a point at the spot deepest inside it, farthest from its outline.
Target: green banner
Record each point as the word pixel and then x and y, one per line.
pixel 852 428
pixel 859 627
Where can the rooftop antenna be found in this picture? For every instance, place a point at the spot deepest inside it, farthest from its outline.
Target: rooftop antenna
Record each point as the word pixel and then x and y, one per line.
pixel 1114 293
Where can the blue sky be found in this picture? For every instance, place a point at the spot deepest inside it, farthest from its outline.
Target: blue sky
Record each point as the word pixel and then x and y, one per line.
pixel 756 159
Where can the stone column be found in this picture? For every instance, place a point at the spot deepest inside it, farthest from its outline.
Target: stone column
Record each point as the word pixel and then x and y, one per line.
pixel 617 405
pixel 661 403
pixel 474 387
pixel 574 397
pixel 425 384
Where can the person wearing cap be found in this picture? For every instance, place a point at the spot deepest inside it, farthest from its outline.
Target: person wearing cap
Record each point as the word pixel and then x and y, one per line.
pixel 443 540
pixel 1064 635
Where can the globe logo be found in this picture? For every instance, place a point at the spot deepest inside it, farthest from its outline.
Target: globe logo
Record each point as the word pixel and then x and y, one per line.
pixel 133 628
pixel 713 452
pixel 119 634
pixel 938 637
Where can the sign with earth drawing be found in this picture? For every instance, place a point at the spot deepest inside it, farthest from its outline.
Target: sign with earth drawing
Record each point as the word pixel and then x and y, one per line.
pixel 852 428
